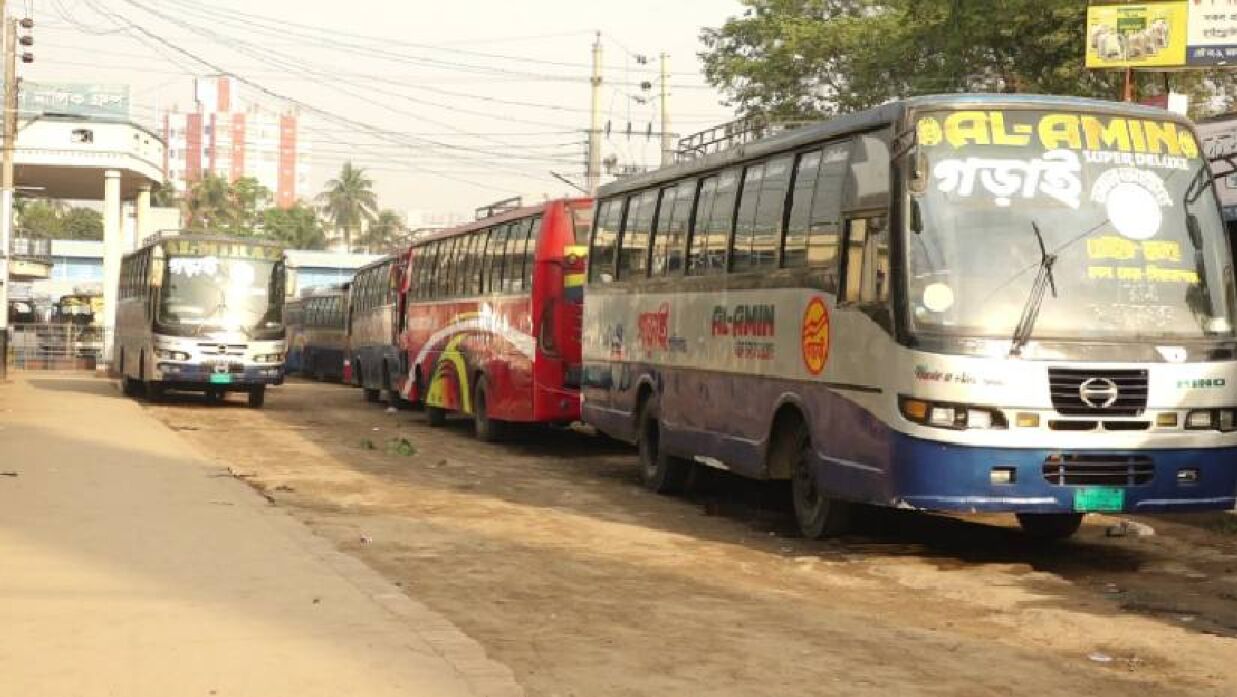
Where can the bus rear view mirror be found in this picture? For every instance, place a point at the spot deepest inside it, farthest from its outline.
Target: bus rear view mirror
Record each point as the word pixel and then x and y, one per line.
pixel 1196 233
pixel 919 172
pixel 916 217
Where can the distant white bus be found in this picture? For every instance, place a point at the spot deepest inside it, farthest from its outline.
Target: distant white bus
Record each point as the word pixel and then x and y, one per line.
pixel 201 313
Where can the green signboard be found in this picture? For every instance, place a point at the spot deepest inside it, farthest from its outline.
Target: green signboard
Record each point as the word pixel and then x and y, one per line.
pixel 75 99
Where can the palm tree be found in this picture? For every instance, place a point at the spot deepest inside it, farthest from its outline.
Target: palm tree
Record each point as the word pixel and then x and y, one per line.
pixel 348 201
pixel 385 231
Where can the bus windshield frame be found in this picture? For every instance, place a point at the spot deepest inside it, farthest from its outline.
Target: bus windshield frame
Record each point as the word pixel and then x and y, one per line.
pixel 232 287
pixel 1120 208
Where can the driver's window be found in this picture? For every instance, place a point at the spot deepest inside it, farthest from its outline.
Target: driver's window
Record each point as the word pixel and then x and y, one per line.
pixel 867 260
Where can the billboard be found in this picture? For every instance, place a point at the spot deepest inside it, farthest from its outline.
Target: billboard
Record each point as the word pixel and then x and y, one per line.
pixel 76 99
pixel 1212 35
pixel 1137 35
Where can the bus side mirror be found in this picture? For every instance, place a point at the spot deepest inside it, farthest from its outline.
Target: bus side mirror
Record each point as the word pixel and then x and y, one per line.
pixel 916 215
pixel 919 172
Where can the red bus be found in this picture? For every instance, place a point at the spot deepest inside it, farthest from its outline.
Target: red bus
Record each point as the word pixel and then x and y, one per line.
pixel 493 316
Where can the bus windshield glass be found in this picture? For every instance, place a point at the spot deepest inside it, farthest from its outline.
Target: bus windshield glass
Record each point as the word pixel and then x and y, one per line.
pixel 1124 209
pixel 218 292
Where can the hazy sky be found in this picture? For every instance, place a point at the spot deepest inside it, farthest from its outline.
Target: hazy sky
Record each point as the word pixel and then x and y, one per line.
pixel 449 104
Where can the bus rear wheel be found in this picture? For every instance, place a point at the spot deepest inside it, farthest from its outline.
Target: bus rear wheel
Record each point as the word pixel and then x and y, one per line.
pixel 817 514
pixel 486 429
pixel 659 472
pixel 257 397
pixel 1049 527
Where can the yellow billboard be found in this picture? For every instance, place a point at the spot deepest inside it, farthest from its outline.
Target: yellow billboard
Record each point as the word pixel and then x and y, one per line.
pixel 1137 35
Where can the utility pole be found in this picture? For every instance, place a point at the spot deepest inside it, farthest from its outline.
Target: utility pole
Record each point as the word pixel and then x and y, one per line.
pixel 6 179
pixel 667 150
pixel 593 176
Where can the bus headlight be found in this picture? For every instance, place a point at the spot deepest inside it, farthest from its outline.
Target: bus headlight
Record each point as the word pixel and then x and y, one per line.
pixel 166 355
pixel 954 416
pixel 269 358
pixel 1212 420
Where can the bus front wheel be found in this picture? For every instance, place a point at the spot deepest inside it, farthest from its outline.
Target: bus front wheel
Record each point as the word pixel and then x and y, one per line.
pixel 659 472
pixel 257 397
pixel 1049 527
pixel 817 513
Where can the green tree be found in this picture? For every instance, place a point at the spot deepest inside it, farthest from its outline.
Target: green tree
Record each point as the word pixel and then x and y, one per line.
pixel 297 227
pixel 796 58
pixel 41 218
pixel 213 203
pixel 348 201
pixel 83 224
pixel 165 196
pixel 386 230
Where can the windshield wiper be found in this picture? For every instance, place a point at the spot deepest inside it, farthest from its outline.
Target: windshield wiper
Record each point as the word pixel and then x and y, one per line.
pixel 1030 311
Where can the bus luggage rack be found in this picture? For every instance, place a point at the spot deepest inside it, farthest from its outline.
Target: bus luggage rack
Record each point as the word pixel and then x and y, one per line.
pixel 1099 470
pixel 1071 389
pixel 729 135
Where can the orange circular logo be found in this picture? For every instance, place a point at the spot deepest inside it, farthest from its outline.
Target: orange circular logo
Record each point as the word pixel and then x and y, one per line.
pixel 815 337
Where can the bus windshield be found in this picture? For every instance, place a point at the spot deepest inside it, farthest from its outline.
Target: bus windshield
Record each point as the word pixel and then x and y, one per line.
pixel 219 293
pixel 1133 245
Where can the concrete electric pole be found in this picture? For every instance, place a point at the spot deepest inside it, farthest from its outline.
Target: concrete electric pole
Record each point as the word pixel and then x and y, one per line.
pixel 6 179
pixel 667 149
pixel 593 176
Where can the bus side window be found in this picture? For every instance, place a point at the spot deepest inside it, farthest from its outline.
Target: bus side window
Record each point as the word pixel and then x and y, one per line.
pixel 513 268
pixel 662 233
pixel 495 254
pixel 684 199
pixel 721 220
pixel 698 239
pixel 605 238
pixel 478 262
pixel 869 172
pixel 530 251
pixel 745 222
pixel 634 242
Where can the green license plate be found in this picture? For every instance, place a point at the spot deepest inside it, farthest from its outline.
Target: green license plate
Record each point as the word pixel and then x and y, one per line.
pixel 1099 498
pixel 220 379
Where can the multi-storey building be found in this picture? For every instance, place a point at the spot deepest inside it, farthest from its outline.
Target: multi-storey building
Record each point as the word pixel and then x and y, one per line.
pixel 233 137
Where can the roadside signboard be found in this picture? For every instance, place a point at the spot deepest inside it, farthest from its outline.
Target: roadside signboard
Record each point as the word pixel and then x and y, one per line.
pixel 76 99
pixel 1137 35
pixel 1212 33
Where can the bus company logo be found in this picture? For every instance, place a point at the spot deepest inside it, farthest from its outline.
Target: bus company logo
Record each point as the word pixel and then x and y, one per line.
pixel 815 336
pixel 654 328
pixel 744 320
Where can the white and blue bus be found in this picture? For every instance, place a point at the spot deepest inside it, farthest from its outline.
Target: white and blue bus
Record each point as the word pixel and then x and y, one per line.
pixel 970 303
pixel 201 313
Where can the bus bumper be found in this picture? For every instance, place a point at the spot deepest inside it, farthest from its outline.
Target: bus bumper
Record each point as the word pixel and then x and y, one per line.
pixel 949 477
pixel 187 376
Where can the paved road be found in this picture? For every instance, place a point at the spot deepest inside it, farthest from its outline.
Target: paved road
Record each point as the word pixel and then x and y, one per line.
pixel 130 567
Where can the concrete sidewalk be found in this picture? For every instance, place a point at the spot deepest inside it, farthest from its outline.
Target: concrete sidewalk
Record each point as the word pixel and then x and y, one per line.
pixel 129 567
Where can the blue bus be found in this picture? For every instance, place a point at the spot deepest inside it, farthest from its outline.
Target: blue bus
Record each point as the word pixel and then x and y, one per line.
pixel 996 303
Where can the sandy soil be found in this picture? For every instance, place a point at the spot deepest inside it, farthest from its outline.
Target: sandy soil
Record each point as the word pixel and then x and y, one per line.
pixel 548 552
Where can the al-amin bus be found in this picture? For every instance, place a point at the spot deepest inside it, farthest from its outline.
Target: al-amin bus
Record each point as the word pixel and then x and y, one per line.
pixel 201 313
pixel 324 335
pixel 959 303
pixel 375 310
pixel 493 317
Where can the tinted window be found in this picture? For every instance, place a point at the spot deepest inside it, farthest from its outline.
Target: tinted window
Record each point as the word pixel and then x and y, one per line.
pixel 605 239
pixel 711 232
pixel 696 246
pixel 530 252
pixel 582 223
pixel 869 172
pixel 814 224
pixel 663 234
pixel 770 212
pixel 513 271
pixel 745 222
pixel 684 200
pixel 634 247
pixel 478 261
pixel 494 258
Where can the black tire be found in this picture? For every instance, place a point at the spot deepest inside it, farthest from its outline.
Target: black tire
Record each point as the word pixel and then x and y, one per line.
pixel 257 397
pixel 659 472
pixel 817 514
pixel 486 429
pixel 390 394
pixel 436 416
pixel 1049 527
pixel 371 394
pixel 128 386
pixel 216 396
pixel 154 391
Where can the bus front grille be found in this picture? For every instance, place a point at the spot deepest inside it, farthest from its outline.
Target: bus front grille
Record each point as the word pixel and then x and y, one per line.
pixel 1099 470
pixel 1086 392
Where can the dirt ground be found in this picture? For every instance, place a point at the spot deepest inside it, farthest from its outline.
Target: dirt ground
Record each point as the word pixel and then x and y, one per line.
pixel 548 552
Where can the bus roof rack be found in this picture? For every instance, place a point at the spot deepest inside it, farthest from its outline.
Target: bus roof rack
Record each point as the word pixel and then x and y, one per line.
pixel 172 233
pixel 732 134
pixel 499 207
